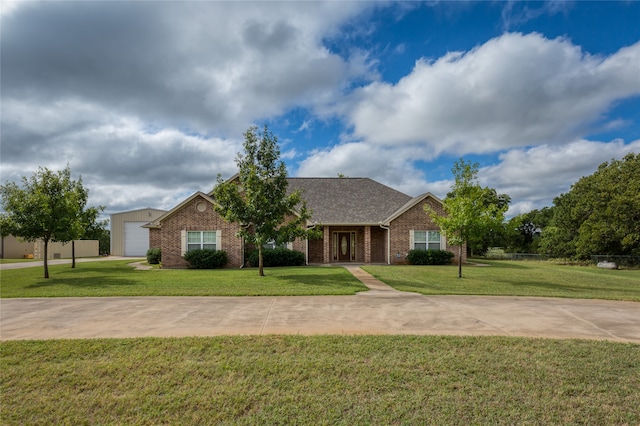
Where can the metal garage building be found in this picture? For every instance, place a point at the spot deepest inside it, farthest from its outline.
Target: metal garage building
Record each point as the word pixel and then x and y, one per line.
pixel 128 237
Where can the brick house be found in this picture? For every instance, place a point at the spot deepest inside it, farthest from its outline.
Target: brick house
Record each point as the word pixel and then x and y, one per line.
pixel 362 221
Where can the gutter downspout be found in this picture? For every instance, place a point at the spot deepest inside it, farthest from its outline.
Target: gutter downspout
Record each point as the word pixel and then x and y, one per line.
pixel 388 229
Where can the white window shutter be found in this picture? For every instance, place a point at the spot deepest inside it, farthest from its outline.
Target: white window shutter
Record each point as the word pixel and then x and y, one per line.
pixel 218 240
pixel 411 240
pixel 443 241
pixel 290 245
pixel 183 242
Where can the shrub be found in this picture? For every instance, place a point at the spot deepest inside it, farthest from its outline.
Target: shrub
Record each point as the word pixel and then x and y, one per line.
pixel 277 257
pixel 429 257
pixel 154 256
pixel 206 258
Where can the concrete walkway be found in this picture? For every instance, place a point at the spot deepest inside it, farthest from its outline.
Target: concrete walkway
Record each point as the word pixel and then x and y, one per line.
pixel 382 310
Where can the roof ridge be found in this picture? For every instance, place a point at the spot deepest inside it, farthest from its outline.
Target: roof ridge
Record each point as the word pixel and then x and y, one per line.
pixel 329 177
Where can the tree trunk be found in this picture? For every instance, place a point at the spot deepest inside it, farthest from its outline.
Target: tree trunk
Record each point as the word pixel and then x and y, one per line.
pixel 460 262
pixel 73 254
pixel 46 256
pixel 260 262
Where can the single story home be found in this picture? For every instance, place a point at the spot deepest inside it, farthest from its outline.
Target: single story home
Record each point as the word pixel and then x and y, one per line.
pixel 362 221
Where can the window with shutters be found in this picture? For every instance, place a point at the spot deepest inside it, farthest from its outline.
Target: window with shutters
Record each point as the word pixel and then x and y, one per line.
pixel 423 240
pixel 201 240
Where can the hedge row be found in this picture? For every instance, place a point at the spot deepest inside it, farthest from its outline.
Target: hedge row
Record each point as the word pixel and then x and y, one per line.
pixel 429 257
pixel 277 257
pixel 206 259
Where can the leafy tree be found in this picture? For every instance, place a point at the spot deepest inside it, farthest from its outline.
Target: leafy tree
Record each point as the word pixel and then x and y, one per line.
pixel 82 223
pixel 48 207
pixel 524 231
pixel 97 230
pixel 600 214
pixel 469 208
pixel 258 200
pixel 493 233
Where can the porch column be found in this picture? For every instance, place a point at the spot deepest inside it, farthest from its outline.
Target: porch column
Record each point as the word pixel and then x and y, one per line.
pixel 367 244
pixel 326 242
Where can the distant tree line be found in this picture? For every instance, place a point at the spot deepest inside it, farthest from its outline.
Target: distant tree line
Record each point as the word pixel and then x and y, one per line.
pixel 599 215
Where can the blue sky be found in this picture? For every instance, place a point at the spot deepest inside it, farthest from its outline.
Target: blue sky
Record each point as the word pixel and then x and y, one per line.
pixel 148 100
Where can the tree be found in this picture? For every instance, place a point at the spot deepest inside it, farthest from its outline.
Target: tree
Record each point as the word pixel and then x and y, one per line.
pixel 469 209
pixel 258 200
pixel 98 231
pixel 599 215
pixel 81 222
pixel 87 226
pixel 46 208
pixel 493 233
pixel 524 231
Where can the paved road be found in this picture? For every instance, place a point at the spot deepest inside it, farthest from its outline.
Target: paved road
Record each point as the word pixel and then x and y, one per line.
pixel 380 311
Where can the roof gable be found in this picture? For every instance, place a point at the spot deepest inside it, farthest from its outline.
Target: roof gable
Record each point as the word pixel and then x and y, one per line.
pixel 157 223
pixel 411 203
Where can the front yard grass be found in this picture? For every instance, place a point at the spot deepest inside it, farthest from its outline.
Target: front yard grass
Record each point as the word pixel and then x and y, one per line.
pixel 514 278
pixel 320 380
pixel 115 278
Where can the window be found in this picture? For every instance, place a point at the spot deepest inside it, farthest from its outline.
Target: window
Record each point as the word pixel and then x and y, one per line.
pixel 201 240
pixel 271 244
pixel 423 240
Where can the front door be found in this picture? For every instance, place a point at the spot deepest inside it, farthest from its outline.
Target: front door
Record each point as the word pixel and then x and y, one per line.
pixel 344 246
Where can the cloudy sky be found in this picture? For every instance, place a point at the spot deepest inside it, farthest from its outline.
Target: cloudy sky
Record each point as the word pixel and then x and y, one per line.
pixel 148 100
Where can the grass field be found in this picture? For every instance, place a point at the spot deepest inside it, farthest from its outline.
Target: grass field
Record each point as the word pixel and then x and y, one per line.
pixel 320 380
pixel 513 278
pixel 115 278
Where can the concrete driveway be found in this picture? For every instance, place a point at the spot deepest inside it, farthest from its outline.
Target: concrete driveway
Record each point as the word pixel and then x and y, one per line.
pixel 379 311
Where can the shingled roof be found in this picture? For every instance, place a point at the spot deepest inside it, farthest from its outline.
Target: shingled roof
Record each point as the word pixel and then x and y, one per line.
pixel 348 201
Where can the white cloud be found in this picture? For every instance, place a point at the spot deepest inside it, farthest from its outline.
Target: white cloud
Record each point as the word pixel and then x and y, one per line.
pixel 514 90
pixel 516 12
pixel 119 158
pixel 140 97
pixel 535 176
pixel 209 66
pixel 393 168
pixel 532 177
pixel 7 7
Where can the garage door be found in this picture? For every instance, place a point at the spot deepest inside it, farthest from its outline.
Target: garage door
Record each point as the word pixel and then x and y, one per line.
pixel 136 239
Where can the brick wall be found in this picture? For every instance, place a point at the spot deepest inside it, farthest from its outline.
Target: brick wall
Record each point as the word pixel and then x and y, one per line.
pixel 155 238
pixel 190 218
pixel 378 245
pixel 416 219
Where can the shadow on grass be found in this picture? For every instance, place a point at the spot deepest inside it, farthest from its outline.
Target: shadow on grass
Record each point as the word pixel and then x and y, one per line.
pixel 82 282
pixel 85 277
pixel 328 280
pixel 496 264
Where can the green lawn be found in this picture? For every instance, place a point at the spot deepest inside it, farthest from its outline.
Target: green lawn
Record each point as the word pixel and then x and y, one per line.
pixel 514 278
pixel 115 278
pixel 3 261
pixel 320 380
